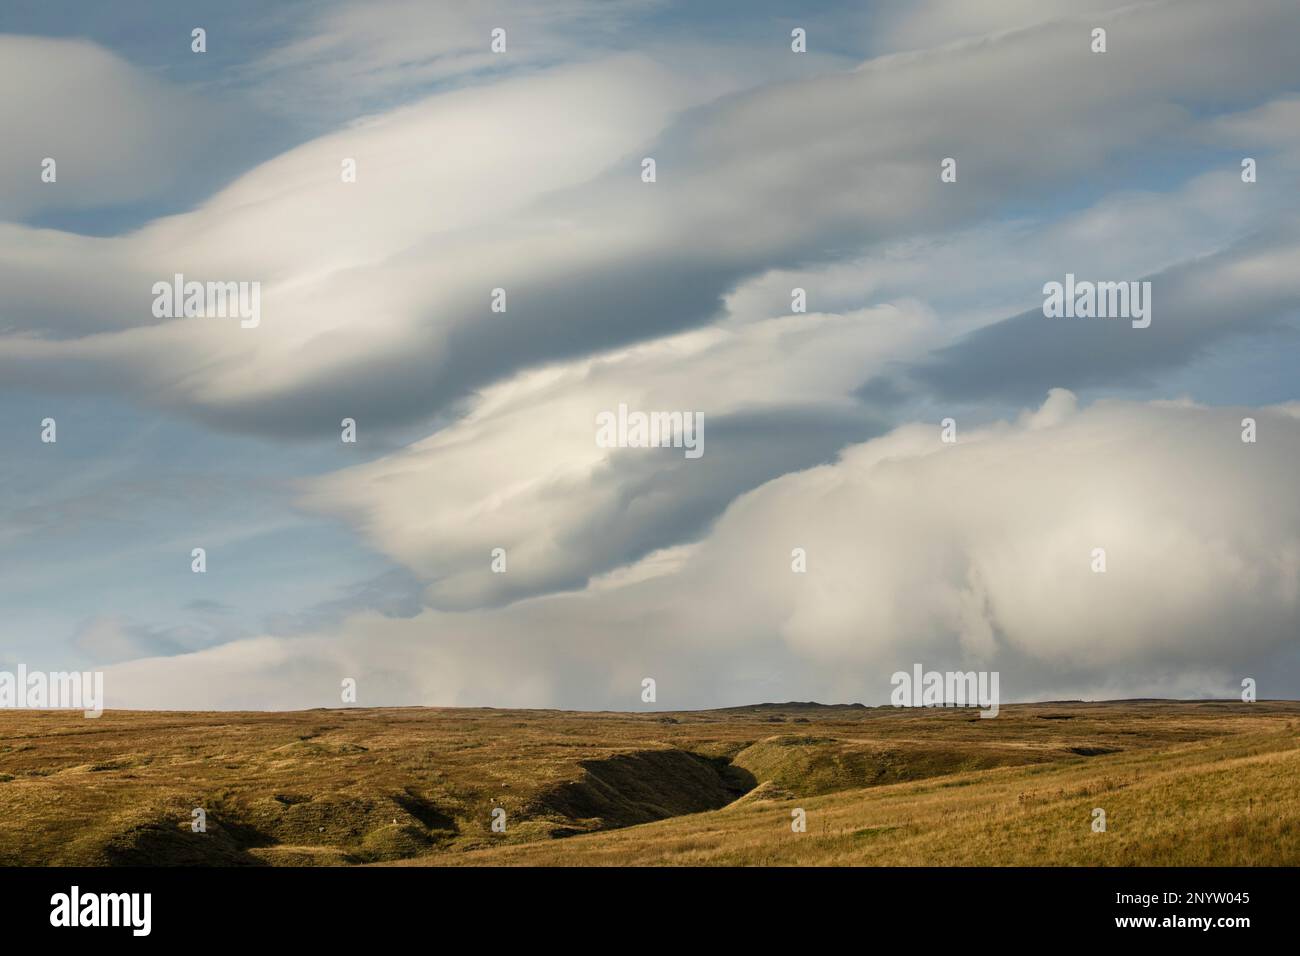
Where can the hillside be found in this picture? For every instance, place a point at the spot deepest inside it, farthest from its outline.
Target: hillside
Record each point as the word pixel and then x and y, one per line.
pixel 1181 783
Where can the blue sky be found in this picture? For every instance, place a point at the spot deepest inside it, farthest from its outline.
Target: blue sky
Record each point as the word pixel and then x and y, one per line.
pixel 522 170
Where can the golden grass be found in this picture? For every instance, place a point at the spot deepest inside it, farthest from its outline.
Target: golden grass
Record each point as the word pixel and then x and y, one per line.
pixel 1181 783
pixel 1219 803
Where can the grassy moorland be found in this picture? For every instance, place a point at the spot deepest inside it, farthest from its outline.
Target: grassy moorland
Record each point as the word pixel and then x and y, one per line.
pixel 1181 783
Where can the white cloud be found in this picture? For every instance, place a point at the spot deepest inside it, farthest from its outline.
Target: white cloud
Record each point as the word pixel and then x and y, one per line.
pixel 522 470
pixel 977 554
pixel 116 133
pixel 675 296
pixel 531 184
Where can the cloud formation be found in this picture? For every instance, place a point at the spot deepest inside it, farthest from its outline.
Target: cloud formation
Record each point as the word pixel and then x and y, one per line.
pixel 978 554
pixel 390 278
pixel 775 172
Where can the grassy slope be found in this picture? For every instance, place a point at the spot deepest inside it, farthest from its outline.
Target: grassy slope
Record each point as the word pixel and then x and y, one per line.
pixel 1230 802
pixel 1181 783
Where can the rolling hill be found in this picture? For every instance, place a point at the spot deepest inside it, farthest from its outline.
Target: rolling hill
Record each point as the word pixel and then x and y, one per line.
pixel 1201 782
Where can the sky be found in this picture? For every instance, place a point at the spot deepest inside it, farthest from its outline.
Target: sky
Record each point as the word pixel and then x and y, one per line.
pixel 920 466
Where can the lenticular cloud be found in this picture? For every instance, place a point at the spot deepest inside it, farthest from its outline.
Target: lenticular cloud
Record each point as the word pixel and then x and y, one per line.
pixel 980 552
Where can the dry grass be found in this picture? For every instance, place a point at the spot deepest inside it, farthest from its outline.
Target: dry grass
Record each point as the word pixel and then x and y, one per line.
pixel 1181 783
